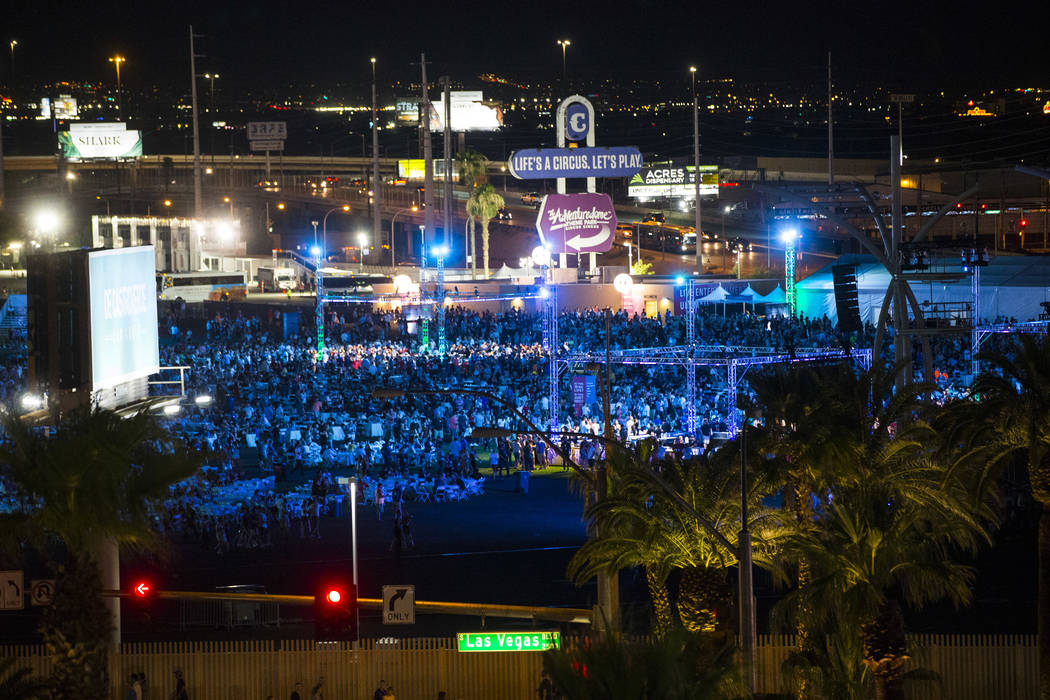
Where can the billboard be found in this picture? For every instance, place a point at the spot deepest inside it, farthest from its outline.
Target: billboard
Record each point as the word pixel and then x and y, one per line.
pixel 413 169
pixel 407 111
pixel 577 223
pixel 585 161
pixel 469 112
pixel 673 181
pixel 65 107
pixel 122 288
pixel 100 141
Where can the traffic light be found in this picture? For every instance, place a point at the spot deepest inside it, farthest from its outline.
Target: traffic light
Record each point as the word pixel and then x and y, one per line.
pixel 335 612
pixel 1023 222
pixel 142 591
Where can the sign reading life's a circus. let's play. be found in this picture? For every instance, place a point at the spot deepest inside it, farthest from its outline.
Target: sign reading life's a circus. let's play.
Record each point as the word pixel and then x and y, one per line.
pixel 577 223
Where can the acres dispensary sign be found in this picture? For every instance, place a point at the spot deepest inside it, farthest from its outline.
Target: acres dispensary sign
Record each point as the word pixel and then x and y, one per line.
pixel 547 163
pixel 577 223
pixel 508 641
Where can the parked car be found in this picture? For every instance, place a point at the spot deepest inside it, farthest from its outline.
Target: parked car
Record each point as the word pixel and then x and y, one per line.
pixel 533 199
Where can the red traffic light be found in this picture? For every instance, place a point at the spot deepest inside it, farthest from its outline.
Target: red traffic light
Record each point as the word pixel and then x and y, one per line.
pixel 142 589
pixel 1024 222
pixel 333 596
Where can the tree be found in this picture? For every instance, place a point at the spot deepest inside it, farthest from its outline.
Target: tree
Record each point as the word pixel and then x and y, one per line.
pixel 677 666
pixel 1011 419
pixel 888 527
pixel 90 480
pixel 489 202
pixel 19 683
pixel 641 525
pixel 471 165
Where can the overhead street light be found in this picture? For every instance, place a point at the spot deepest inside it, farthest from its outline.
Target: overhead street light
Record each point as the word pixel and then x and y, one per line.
pixel 564 44
pixel 392 220
pixel 116 61
pixel 324 224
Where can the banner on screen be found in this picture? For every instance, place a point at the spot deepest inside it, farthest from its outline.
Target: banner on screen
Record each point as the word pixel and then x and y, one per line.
pixel 414 169
pixel 122 285
pixel 100 142
pixel 469 113
pixel 673 181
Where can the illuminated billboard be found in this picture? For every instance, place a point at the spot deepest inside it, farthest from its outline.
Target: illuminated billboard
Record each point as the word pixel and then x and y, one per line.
pixel 673 181
pixel 100 141
pixel 469 112
pixel 413 169
pixel 65 107
pixel 122 288
pixel 407 110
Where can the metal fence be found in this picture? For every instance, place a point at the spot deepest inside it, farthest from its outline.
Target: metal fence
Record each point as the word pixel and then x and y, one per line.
pixel 972 667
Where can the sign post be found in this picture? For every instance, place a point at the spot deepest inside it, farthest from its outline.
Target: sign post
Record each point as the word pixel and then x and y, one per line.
pixel 12 589
pixel 576 223
pixel 580 110
pixel 508 641
pixel 399 605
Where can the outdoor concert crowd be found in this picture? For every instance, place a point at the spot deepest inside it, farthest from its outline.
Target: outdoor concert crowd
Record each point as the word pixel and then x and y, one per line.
pixel 276 421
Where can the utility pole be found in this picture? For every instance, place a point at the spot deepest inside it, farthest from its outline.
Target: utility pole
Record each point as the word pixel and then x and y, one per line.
pixel 197 204
pixel 446 85
pixel 608 581
pixel 831 131
pixel 377 185
pixel 746 589
pixel 696 176
pixel 428 156
pixel 2 163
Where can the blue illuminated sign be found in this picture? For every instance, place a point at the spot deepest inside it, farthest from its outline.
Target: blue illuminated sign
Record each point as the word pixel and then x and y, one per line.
pixel 577 122
pixel 544 163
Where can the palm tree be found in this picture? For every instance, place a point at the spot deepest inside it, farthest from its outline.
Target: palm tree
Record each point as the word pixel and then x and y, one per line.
pixel 471 166
pixel 889 523
pixel 489 202
pixel 677 666
pixel 1011 419
pixel 91 484
pixel 640 525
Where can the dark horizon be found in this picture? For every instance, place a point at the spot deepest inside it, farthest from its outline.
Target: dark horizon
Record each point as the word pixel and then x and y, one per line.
pixel 264 44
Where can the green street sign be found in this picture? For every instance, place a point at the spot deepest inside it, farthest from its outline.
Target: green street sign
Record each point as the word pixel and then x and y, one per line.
pixel 508 641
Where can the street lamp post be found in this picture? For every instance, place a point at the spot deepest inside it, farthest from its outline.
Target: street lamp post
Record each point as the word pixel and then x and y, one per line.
pixel 362 241
pixel 14 43
pixel 392 220
pixel 211 111
pixel 696 173
pixel 116 61
pixel 377 185
pixel 790 238
pixel 564 44
pixel 324 227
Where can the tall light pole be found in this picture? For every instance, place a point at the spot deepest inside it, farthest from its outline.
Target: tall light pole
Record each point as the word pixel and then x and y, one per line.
pixel 392 220
pixel 789 238
pixel 696 174
pixel 211 112
pixel 116 61
pixel 377 214
pixel 362 242
pixel 564 44
pixel 324 227
pixel 13 44
pixel 197 202
pixel 319 296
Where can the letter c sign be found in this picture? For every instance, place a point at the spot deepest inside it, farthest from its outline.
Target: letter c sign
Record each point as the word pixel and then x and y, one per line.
pixel 577 122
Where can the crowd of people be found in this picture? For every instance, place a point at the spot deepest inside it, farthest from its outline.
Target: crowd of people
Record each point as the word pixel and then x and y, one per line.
pixel 275 420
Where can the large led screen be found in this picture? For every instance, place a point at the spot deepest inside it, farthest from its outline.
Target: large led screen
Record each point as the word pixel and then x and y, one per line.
pixel 124 342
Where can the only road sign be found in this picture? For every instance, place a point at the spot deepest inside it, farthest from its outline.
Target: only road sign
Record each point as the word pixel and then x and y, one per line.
pixel 12 590
pixel 399 605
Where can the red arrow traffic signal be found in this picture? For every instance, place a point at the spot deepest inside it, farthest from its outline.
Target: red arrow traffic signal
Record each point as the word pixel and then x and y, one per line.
pixel 142 589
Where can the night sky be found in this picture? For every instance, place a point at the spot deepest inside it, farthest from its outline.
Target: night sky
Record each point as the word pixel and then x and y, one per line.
pixel 902 45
